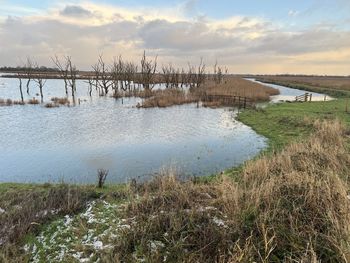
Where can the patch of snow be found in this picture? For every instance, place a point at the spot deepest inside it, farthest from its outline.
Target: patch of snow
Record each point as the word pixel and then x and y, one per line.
pixel 2 210
pixel 219 222
pixel 98 244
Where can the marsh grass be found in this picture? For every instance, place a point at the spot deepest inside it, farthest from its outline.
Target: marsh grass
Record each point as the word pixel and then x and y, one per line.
pixel 33 101
pixel 9 102
pixel 60 101
pixel 25 210
pixel 230 86
pixel 168 97
pixel 235 86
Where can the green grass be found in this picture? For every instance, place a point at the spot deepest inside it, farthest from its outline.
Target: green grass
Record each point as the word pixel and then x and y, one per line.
pixel 284 122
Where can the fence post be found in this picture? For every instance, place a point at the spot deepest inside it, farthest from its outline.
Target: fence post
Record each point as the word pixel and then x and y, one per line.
pixel 310 97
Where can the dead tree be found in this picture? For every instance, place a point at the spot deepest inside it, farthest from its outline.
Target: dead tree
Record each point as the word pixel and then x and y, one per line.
pixel 63 71
pixel 72 75
pixel 28 72
pixel 20 86
pixel 148 72
pixel 130 70
pixel 38 78
pixel 167 71
pixel 103 76
pixel 200 79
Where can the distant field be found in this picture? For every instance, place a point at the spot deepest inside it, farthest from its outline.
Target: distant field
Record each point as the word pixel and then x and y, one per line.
pixel 334 86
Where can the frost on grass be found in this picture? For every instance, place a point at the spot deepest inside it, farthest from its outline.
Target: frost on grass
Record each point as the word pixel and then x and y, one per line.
pixel 79 238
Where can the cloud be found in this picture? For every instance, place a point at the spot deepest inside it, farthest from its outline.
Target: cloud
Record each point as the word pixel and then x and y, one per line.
pixel 243 43
pixel 293 13
pixel 75 10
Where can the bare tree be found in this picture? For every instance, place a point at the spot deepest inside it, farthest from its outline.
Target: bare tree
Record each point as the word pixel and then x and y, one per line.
pixel 148 72
pixel 38 78
pixel 130 70
pixel 63 71
pixel 28 72
pixel 20 86
pixel 167 71
pixel 103 76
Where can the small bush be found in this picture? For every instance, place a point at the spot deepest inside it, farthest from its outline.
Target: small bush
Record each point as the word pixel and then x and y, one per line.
pixel 101 176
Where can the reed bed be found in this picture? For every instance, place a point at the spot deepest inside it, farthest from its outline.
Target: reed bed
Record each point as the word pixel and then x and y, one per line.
pixel 235 86
pixel 231 86
pixel 9 102
pixel 168 97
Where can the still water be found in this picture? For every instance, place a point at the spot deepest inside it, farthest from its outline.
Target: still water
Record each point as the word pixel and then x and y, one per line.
pixel 69 144
pixel 289 94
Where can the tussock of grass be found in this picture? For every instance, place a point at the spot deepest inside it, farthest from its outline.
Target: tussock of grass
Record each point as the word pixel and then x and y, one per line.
pixel 60 101
pixel 33 101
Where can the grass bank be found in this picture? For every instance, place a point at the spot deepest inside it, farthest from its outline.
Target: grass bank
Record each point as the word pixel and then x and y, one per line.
pixel 283 123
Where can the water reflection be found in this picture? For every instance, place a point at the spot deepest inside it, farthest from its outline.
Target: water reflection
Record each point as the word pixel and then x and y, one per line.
pixel 70 143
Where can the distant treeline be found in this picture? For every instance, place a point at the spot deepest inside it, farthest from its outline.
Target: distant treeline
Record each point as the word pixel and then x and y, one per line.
pixel 24 69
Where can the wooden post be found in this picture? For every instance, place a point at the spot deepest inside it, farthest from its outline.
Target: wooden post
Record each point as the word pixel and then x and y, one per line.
pixel 325 97
pixel 310 97
pixel 306 96
pixel 245 102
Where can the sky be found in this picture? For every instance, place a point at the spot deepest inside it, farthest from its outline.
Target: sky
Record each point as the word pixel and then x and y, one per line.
pixel 251 36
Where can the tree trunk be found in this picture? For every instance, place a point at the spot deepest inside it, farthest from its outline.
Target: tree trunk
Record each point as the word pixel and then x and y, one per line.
pixel 20 89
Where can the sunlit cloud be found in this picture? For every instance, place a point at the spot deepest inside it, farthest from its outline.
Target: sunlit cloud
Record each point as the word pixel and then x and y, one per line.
pixel 242 43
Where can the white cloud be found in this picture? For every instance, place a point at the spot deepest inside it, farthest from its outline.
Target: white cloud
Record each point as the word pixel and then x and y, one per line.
pixel 245 44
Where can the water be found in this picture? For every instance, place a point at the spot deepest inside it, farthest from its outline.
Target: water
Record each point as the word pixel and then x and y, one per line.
pixel 289 94
pixel 38 144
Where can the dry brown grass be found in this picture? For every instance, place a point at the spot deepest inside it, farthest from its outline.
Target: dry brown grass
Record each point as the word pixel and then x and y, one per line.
pixel 291 207
pixel 60 101
pixel 168 97
pixel 51 105
pixel 235 86
pixel 231 86
pixel 9 102
pixel 27 209
pixel 33 101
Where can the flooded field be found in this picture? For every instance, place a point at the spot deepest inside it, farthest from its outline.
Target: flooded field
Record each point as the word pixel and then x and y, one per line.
pixel 69 144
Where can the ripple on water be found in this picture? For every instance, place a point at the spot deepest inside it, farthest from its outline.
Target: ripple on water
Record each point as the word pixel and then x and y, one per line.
pixel 70 143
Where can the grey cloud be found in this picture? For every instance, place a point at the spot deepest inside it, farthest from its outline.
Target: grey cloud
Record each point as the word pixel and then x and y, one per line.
pixel 162 34
pixel 75 10
pixel 173 41
pixel 316 40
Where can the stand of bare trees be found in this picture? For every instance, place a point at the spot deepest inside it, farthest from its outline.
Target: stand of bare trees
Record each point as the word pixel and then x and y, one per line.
pixel 123 78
